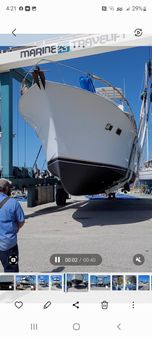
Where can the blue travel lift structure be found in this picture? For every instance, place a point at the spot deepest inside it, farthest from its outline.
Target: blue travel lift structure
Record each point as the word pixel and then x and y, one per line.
pixel 40 190
pixel 6 94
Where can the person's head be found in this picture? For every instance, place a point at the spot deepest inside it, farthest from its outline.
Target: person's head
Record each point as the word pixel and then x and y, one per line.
pixel 37 68
pixel 5 186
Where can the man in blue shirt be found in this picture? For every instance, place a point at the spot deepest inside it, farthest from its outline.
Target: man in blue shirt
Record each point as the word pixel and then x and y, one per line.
pixel 11 220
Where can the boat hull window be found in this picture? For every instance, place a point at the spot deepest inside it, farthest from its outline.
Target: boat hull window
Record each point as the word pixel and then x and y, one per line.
pixel 118 132
pixel 109 127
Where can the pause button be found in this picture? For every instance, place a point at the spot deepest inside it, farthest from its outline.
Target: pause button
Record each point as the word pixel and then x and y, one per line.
pixel 34 326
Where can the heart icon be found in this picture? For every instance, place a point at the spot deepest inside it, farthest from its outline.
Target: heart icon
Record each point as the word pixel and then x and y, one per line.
pixel 18 304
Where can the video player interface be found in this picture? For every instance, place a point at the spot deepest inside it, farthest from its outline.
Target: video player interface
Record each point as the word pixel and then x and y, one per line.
pixel 75 169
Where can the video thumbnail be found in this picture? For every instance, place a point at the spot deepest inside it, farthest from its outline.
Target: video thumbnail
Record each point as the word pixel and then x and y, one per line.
pixel 100 282
pixel 43 282
pixel 77 282
pixel 143 282
pixel 6 282
pixel 131 282
pixel 25 282
pixel 56 282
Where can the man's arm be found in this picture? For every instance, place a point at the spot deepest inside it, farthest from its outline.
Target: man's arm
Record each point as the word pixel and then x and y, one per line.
pixel 19 216
pixel 20 224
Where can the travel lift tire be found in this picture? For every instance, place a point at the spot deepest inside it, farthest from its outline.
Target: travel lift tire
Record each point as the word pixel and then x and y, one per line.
pixel 61 195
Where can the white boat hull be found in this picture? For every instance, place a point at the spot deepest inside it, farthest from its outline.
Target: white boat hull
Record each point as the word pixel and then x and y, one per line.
pixel 70 123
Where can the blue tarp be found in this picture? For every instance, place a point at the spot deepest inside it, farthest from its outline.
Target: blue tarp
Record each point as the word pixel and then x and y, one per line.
pixel 87 83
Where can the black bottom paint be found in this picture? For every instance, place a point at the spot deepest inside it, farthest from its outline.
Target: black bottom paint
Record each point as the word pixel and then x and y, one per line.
pixel 82 178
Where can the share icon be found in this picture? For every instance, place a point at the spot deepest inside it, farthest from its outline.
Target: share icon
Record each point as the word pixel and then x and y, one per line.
pixel 76 305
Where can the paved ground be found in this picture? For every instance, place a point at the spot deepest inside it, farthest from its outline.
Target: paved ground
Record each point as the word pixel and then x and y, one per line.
pixel 116 229
pixel 77 289
pixel 99 288
pixel 56 288
pixel 42 288
pixel 144 286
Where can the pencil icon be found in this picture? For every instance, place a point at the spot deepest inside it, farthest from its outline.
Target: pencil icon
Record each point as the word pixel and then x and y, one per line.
pixel 47 305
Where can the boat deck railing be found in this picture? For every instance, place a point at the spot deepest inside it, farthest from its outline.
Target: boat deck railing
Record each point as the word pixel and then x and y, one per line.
pixel 69 75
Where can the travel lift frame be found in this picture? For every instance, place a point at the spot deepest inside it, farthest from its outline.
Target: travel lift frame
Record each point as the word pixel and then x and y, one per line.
pixel 12 62
pixel 139 141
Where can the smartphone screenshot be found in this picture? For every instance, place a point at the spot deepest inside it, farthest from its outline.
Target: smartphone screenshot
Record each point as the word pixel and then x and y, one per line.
pixel 75 168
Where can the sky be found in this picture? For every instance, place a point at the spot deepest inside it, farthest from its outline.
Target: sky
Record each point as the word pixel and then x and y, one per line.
pixel 58 277
pixel 32 278
pixel 44 278
pixel 70 276
pixel 95 278
pixel 124 69
pixel 143 278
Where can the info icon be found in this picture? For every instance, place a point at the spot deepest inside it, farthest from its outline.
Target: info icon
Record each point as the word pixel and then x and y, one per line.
pixel 13 259
pixel 21 8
